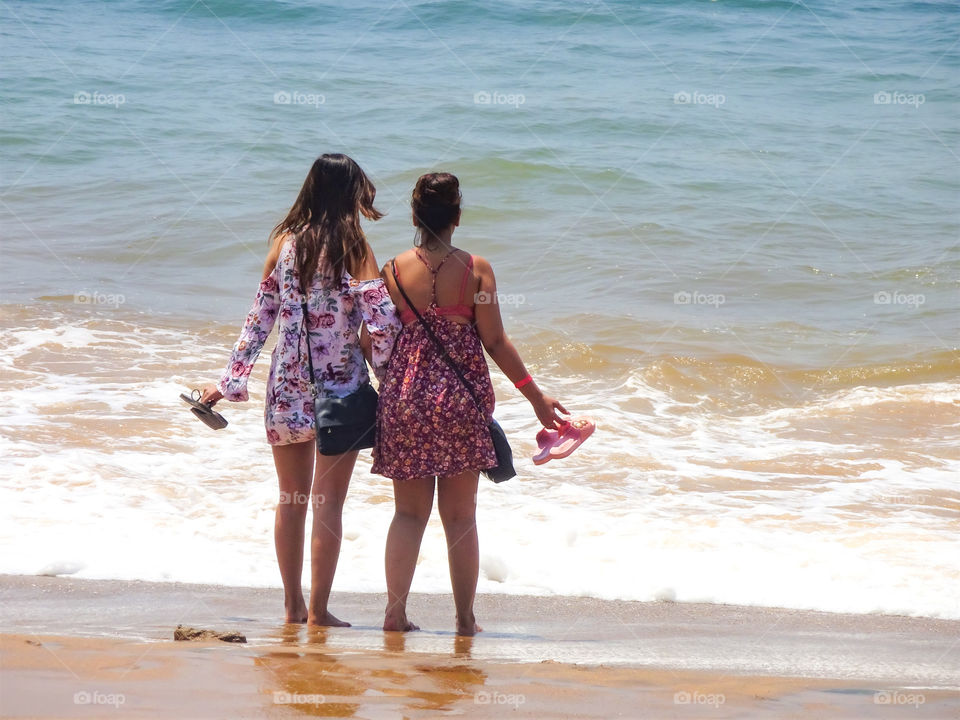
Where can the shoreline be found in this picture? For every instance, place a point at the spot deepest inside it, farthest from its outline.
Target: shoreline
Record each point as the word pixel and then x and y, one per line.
pixel 65 641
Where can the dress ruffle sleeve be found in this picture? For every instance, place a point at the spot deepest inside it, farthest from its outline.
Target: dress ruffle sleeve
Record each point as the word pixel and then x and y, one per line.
pixel 380 316
pixel 256 329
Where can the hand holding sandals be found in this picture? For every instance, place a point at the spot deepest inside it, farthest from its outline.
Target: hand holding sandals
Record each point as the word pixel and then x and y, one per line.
pixel 210 394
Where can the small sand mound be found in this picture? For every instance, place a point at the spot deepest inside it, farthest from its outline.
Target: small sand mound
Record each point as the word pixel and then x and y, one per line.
pixel 189 633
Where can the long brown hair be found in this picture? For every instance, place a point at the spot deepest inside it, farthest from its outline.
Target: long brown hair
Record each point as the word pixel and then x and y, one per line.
pixel 436 205
pixel 325 219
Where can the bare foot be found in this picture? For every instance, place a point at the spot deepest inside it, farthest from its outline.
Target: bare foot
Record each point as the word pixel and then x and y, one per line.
pixel 469 628
pixel 398 623
pixel 327 620
pixel 297 613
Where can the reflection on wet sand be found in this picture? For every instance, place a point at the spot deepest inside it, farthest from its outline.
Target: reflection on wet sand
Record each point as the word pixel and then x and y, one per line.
pixel 289 633
pixel 303 672
pixel 463 646
pixel 395 642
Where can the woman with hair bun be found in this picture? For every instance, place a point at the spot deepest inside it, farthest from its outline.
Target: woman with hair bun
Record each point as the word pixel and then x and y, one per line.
pixel 430 434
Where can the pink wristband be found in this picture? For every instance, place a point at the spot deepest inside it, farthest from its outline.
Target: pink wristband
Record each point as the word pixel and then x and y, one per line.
pixel 526 381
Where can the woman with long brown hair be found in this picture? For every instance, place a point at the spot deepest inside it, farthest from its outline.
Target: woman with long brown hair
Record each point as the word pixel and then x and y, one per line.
pixel 322 281
pixel 431 434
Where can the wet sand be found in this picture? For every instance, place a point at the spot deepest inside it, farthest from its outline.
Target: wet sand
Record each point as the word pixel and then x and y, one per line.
pixel 87 648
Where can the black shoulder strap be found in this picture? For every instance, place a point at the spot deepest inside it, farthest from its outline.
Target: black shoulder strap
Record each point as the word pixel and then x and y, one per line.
pixel 440 348
pixel 306 326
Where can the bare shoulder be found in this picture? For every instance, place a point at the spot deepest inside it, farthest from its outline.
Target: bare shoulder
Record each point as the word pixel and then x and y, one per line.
pixel 387 269
pixel 280 239
pixel 276 245
pixel 482 266
pixel 403 258
pixel 369 270
pixel 273 255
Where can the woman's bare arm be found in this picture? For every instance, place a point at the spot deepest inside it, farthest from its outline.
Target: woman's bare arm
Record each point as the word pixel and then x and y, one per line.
pixel 502 351
pixel 273 255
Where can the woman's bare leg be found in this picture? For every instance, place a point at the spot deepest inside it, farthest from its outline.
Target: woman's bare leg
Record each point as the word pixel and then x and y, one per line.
pixel 457 501
pixel 294 465
pixel 330 483
pixel 414 501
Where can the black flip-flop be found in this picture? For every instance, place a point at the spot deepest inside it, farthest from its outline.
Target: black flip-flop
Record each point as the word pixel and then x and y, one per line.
pixel 204 413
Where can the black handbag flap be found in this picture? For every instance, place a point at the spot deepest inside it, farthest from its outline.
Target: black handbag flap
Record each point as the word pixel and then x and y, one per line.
pixel 358 408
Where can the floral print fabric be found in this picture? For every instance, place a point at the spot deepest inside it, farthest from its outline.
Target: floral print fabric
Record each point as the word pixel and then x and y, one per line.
pixel 334 317
pixel 427 423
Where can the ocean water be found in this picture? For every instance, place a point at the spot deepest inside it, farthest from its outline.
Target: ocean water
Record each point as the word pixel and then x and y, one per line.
pixel 729 231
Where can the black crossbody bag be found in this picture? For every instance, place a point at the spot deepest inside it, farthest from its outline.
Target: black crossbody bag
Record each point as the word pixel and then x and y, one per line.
pixel 346 423
pixel 504 467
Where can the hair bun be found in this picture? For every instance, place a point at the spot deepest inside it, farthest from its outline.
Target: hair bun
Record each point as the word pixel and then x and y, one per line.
pixel 436 202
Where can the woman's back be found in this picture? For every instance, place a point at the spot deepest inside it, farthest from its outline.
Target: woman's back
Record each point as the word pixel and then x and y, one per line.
pixel 335 312
pixel 444 278
pixel 436 401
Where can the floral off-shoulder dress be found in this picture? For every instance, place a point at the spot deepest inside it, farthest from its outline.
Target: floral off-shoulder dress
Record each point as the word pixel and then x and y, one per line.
pixel 334 316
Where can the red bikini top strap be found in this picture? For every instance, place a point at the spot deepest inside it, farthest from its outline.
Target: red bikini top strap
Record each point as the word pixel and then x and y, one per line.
pixel 434 271
pixel 426 262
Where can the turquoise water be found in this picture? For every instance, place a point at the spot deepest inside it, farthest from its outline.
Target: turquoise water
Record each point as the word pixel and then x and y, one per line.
pixel 796 198
pixel 728 231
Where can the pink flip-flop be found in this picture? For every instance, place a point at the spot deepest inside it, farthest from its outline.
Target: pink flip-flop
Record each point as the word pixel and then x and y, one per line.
pixel 546 439
pixel 572 436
